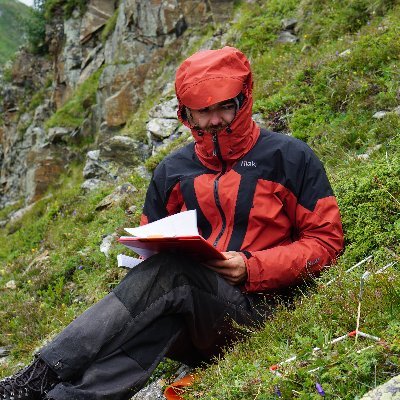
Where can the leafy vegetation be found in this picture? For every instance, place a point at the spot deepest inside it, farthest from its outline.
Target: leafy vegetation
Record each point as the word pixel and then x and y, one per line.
pixel 53 255
pixel 11 29
pixel 324 89
pixel 53 7
pixel 42 13
pixel 35 27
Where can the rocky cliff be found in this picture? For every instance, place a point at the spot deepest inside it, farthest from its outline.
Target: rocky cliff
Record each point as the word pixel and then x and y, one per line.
pixel 108 72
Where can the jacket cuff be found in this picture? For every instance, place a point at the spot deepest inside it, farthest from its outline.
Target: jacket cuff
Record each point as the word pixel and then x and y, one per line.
pixel 246 253
pixel 246 256
pixel 253 274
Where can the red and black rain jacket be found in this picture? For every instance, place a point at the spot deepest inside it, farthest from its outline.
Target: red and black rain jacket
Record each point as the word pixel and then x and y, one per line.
pixel 261 193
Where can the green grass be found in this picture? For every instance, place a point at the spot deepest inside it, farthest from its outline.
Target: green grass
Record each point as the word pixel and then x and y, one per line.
pixel 53 255
pixel 328 100
pixel 319 96
pixel 11 29
pixel 368 194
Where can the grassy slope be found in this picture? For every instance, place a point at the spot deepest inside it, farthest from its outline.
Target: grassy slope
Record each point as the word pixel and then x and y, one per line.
pixel 11 34
pixel 53 253
pixel 329 100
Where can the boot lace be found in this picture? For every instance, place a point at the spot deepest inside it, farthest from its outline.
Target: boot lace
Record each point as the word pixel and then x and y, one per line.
pixel 36 377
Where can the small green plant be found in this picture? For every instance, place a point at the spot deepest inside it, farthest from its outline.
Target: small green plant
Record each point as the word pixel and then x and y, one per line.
pixel 37 99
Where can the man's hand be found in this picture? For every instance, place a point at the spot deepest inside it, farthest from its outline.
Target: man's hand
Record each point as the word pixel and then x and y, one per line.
pixel 233 269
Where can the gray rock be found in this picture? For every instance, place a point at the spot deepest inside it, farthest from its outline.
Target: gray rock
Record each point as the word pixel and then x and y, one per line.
pixel 151 392
pixel 20 213
pixel 142 171
pixel 380 114
pixel 131 210
pixel 72 51
pixel 396 110
pixel 42 112
pixel 345 53
pixel 367 154
pixel 168 90
pixel 120 194
pixel 166 109
pixel 58 134
pixel 388 391
pixel 107 243
pixel 96 16
pixel 287 37
pixel 259 119
pixel 161 128
pixel 222 10
pixel 289 23
pixel 154 390
pixel 95 168
pixel 92 184
pixel 11 285
pixel 122 149
pixel 4 351
pixel 91 68
pixel 93 155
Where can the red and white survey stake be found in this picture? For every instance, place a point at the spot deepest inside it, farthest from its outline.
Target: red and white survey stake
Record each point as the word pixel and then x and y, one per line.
pixel 275 367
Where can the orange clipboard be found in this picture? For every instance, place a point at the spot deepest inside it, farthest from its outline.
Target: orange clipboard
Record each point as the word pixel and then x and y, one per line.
pixel 195 246
pixel 173 391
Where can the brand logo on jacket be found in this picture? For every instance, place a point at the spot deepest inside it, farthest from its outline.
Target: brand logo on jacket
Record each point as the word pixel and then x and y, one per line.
pixel 248 164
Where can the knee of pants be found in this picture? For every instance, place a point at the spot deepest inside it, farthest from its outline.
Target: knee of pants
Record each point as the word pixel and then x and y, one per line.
pixel 168 271
pixel 160 274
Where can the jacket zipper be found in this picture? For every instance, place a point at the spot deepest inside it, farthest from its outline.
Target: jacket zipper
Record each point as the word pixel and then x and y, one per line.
pixel 217 152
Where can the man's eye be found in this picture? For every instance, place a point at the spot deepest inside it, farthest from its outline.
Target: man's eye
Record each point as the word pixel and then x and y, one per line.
pixel 228 107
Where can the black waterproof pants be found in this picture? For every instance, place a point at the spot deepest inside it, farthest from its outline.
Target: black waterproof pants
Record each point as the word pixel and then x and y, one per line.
pixel 167 306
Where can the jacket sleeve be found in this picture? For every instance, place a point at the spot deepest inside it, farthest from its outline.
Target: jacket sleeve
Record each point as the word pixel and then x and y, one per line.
pixel 163 197
pixel 318 235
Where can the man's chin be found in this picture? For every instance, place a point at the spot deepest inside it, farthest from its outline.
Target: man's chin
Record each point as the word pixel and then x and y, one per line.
pixel 214 130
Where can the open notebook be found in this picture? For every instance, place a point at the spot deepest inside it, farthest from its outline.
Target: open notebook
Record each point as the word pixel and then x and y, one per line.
pixel 177 233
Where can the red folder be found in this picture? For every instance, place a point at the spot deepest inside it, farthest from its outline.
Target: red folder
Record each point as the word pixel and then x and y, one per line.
pixel 195 246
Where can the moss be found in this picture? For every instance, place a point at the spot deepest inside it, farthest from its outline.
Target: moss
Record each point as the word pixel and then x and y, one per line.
pixel 74 111
pixel 110 26
pixel 136 125
pixel 37 99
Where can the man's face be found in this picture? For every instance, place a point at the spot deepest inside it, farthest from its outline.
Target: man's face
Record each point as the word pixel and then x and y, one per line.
pixel 214 118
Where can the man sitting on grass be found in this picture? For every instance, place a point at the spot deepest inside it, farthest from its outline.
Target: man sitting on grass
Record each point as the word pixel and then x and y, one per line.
pixel 262 198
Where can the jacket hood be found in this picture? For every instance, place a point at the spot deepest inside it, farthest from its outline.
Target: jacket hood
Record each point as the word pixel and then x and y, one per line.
pixel 209 77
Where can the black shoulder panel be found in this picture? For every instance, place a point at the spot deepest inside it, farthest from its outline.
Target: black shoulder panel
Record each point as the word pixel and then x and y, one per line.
pixel 180 166
pixel 290 162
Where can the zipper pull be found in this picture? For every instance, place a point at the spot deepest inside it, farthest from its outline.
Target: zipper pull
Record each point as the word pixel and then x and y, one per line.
pixel 214 139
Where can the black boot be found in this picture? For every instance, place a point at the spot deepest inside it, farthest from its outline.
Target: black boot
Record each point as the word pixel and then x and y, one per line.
pixel 31 383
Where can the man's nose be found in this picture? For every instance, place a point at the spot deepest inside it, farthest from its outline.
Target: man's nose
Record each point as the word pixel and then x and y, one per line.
pixel 215 118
